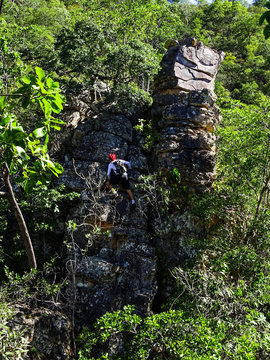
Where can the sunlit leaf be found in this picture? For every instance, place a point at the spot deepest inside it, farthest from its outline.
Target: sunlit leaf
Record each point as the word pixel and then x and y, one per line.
pixel 2 103
pixel 21 152
pixel 40 132
pixel 40 73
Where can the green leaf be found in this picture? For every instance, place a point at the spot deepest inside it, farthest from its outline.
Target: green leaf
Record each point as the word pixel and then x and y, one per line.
pixel 40 73
pixel 2 103
pixel 30 183
pixel 46 107
pixel 40 132
pixel 58 168
pixel 57 121
pixel 50 82
pixel 18 128
pixel 57 104
pixel 56 127
pixel 46 141
pixel 26 80
pixel 41 86
pixel 21 152
pixel 5 120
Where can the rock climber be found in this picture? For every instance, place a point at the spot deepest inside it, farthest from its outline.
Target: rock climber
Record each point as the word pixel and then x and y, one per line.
pixel 117 175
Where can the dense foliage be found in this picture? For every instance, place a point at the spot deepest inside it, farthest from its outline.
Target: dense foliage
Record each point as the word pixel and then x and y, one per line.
pixel 221 307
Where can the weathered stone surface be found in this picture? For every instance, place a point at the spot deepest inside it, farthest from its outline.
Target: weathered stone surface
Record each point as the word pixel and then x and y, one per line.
pixel 90 147
pixel 186 140
pixel 204 98
pixel 118 266
pixel 115 124
pixel 187 120
pixel 192 79
pixel 190 65
pixel 117 276
pixel 200 56
pixel 137 159
pixel 186 116
pixel 49 333
pixel 99 135
pixel 77 173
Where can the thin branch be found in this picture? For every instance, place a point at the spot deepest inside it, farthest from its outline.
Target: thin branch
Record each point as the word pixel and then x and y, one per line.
pixel 21 95
pixel 254 189
pixel 12 94
pixel 19 217
pixel 262 192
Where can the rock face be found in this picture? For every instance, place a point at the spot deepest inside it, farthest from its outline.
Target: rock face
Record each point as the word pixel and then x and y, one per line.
pixel 118 267
pixel 185 114
pixel 49 332
pixel 111 255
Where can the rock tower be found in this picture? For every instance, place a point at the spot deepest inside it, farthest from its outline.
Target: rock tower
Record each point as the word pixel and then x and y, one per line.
pixel 185 117
pixel 184 112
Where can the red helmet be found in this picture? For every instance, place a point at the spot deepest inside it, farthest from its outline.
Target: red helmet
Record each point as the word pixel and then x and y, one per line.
pixel 112 157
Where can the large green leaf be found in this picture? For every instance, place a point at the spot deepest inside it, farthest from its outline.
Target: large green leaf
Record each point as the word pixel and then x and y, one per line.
pixel 26 80
pixel 57 104
pixel 40 73
pixel 40 132
pixel 21 152
pixel 47 108
pixel 57 121
pixel 58 169
pixel 18 128
pixel 49 82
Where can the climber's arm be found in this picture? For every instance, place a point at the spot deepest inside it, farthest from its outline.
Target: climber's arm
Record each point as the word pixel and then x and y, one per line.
pixel 127 163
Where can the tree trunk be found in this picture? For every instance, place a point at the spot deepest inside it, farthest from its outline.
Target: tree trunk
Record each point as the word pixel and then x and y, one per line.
pixel 20 219
pixel 1 6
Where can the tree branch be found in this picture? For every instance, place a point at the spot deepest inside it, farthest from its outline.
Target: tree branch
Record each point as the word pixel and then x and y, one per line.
pixel 19 217
pixel 1 6
pixel 12 94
